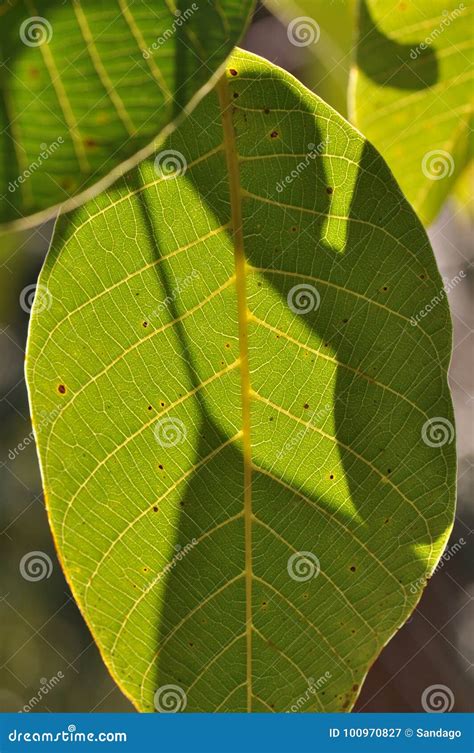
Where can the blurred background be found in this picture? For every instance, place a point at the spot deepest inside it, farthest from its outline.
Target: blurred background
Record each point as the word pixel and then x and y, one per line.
pixel 48 660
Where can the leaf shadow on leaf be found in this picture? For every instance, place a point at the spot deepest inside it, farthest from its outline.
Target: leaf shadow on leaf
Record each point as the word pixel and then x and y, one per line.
pixel 184 588
pixel 210 564
pixel 388 63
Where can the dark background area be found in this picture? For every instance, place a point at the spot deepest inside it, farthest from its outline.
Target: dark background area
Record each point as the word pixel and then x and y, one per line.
pixel 42 631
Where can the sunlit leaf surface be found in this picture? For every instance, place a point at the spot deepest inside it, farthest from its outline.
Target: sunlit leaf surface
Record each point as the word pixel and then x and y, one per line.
pixel 412 92
pixel 243 419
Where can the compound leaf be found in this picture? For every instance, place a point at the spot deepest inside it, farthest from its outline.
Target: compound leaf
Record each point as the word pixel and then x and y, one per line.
pixel 241 406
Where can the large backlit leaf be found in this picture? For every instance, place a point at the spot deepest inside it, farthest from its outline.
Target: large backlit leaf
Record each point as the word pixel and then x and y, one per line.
pixel 412 92
pixel 87 84
pixel 231 381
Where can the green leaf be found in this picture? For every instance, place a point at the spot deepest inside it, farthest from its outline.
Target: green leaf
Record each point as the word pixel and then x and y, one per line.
pixel 323 30
pixel 412 93
pixel 249 459
pixel 86 86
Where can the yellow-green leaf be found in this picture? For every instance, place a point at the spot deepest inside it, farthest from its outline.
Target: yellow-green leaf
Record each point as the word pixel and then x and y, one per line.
pixel 238 385
pixel 86 85
pixel 324 31
pixel 412 92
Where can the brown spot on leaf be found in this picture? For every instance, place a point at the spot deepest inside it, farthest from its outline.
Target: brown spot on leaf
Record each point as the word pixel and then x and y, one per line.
pixel 62 389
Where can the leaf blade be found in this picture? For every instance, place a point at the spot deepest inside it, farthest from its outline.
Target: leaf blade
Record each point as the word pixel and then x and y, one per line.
pixel 86 89
pixel 417 111
pixel 333 417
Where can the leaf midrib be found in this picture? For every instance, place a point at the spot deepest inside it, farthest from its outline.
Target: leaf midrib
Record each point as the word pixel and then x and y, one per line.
pixel 235 193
